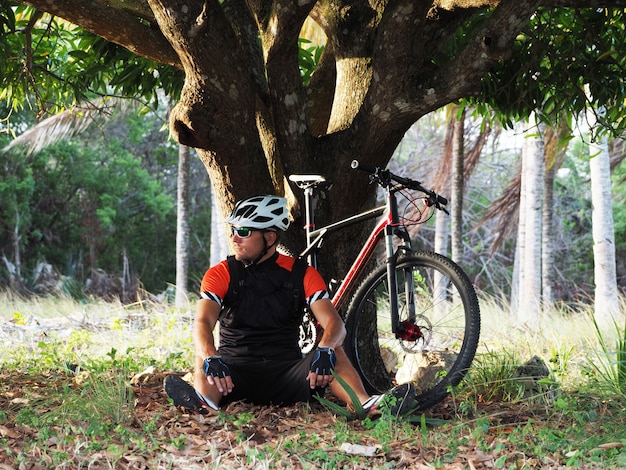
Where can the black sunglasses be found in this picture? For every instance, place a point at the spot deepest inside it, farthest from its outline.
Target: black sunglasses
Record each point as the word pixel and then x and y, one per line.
pixel 242 232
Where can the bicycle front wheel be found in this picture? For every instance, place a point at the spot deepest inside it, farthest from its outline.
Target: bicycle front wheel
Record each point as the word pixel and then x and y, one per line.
pixel 437 337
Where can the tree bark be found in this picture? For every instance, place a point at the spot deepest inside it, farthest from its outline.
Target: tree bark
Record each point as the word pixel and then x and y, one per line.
pixel 458 178
pixel 606 302
pixel 182 226
pixel 529 239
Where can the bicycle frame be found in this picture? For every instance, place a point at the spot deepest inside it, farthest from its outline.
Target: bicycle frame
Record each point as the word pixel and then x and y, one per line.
pixel 387 227
pixel 417 302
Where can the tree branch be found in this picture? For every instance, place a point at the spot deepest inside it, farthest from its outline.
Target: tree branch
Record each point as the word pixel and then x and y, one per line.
pixel 280 28
pixel 134 29
pixel 218 96
pixel 492 42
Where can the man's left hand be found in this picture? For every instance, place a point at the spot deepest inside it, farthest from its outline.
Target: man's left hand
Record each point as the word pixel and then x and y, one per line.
pixel 323 363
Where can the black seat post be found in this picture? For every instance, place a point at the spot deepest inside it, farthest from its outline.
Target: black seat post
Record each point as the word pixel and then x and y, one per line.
pixel 308 183
pixel 309 224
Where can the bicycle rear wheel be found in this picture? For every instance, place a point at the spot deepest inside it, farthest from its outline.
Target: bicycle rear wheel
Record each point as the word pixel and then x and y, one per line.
pixel 435 345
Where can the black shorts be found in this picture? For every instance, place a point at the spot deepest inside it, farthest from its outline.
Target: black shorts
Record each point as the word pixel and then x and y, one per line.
pixel 270 381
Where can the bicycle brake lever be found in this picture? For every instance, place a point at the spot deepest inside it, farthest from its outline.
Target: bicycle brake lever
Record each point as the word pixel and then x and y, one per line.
pixel 434 199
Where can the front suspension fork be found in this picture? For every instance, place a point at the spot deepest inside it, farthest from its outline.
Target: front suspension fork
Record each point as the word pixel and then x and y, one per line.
pixel 407 327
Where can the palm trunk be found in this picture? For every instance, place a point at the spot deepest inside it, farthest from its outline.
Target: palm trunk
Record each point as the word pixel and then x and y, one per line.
pixel 182 226
pixel 17 259
pixel 219 243
pixel 547 241
pixel 529 237
pixel 456 222
pixel 606 295
pixel 555 142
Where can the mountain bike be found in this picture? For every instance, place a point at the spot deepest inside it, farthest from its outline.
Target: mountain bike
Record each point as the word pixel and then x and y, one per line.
pixel 414 318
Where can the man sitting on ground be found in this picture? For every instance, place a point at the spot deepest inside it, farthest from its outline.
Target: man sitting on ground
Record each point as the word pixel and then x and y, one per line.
pixel 259 358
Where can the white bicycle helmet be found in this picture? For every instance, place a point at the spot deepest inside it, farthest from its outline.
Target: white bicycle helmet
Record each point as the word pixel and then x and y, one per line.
pixel 261 212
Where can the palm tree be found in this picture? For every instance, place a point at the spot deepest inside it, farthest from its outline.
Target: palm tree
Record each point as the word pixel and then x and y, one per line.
pixel 606 299
pixel 182 226
pixel 529 229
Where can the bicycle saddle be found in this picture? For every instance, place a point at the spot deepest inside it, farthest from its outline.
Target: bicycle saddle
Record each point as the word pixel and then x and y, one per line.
pixel 309 181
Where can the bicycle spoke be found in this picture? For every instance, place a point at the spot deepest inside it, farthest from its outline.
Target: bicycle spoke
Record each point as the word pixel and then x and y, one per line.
pixel 438 330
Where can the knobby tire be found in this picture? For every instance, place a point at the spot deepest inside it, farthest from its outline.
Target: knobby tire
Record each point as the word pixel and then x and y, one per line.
pixel 442 338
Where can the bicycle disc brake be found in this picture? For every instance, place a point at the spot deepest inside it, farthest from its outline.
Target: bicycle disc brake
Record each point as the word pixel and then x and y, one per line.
pixel 415 334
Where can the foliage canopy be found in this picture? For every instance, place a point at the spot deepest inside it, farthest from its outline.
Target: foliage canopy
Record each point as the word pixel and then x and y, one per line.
pixel 88 203
pixel 255 116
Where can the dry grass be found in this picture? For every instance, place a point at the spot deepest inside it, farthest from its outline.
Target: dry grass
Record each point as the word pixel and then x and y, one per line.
pixel 48 416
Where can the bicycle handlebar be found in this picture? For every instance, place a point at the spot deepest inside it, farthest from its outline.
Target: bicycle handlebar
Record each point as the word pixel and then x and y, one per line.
pixel 385 178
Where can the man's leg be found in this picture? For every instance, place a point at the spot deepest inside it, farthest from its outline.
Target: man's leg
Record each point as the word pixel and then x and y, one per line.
pixel 397 401
pixel 345 370
pixel 198 397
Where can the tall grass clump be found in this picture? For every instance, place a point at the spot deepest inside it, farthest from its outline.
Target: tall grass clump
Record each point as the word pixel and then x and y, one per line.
pixel 510 354
pixel 491 377
pixel 606 365
pixel 98 400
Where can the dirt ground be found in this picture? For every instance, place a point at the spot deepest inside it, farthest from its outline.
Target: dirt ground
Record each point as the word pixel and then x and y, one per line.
pixel 167 437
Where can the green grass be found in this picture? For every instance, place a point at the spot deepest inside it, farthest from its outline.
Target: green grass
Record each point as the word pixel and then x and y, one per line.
pixel 55 331
pixel 66 400
pixel 607 370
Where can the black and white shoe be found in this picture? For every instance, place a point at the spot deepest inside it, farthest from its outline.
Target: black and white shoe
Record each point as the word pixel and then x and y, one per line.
pixel 186 396
pixel 395 402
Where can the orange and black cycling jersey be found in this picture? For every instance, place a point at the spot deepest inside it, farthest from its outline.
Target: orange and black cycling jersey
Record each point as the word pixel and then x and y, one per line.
pixel 262 324
pixel 216 279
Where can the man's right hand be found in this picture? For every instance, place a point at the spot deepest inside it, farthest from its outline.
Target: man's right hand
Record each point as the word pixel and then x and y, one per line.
pixel 218 374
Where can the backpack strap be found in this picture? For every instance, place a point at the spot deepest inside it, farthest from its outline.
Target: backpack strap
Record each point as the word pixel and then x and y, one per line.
pixel 296 281
pixel 237 282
